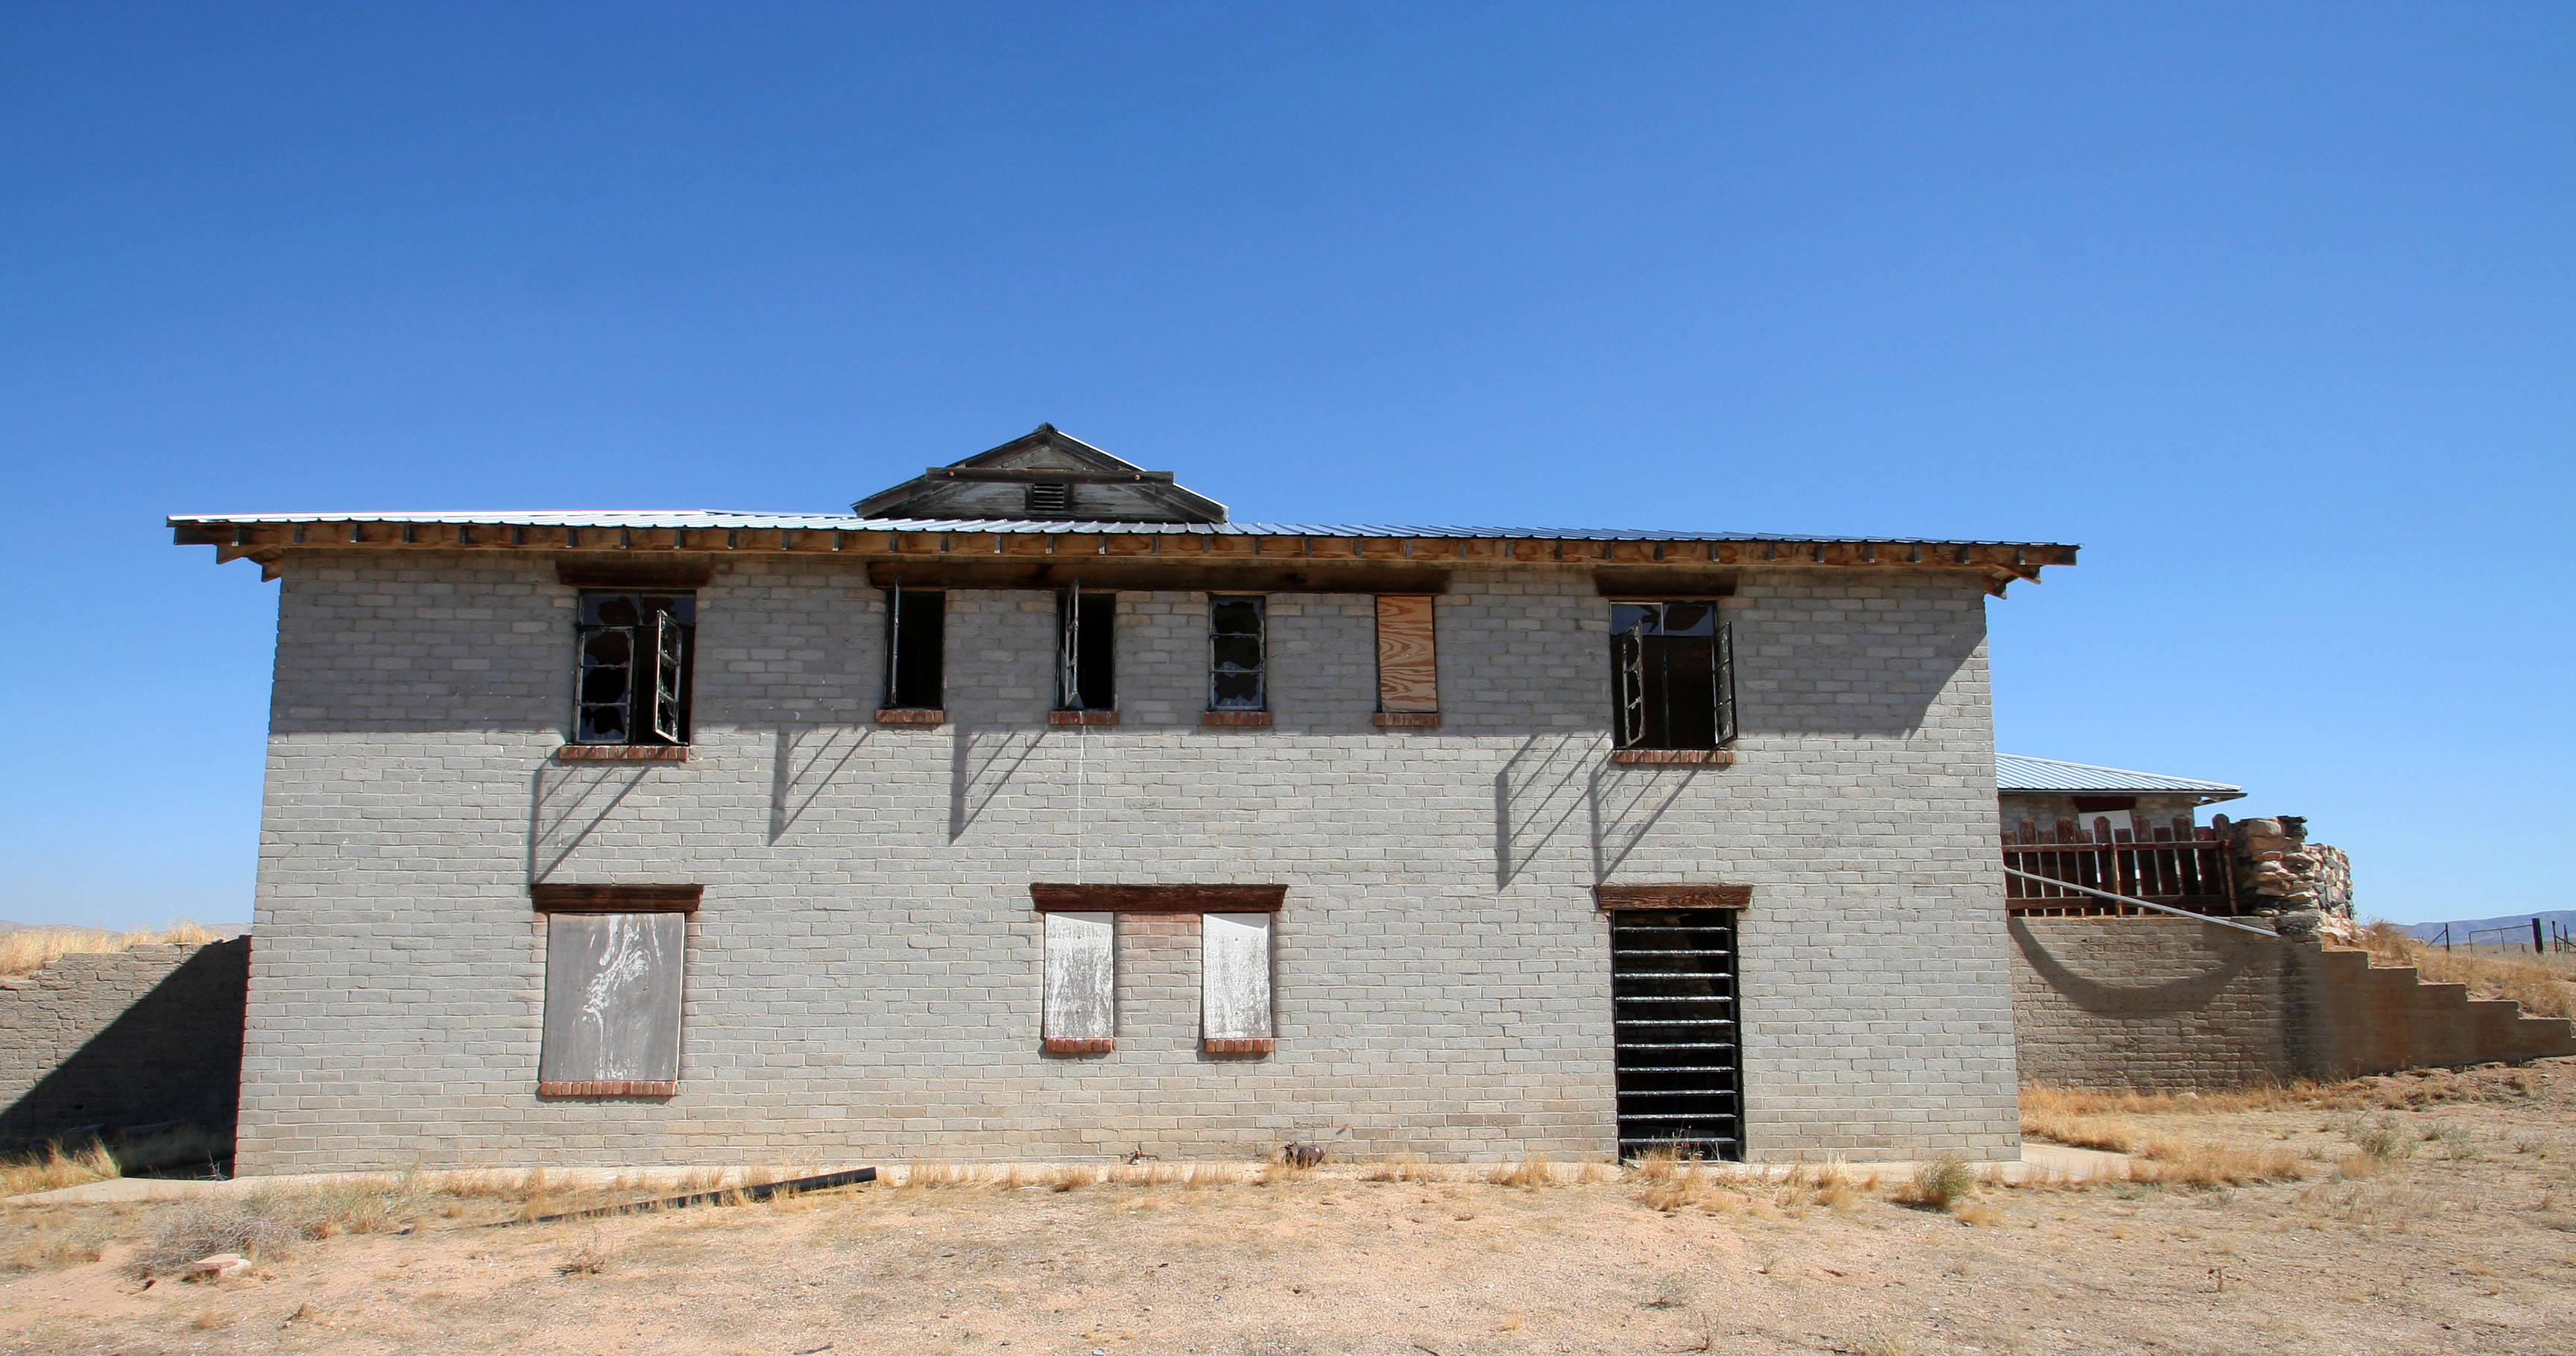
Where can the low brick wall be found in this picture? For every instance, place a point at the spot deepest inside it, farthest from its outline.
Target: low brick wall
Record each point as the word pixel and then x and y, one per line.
pixel 123 1039
pixel 2169 1003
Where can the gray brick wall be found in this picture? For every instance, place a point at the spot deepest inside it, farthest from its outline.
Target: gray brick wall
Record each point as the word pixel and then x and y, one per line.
pixel 863 979
pixel 113 1040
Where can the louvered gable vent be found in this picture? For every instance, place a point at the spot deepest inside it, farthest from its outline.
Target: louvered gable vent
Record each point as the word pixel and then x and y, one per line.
pixel 1045 475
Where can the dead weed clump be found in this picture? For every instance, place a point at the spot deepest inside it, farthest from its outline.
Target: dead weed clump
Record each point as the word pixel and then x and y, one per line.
pixel 255 1226
pixel 1939 1184
pixel 1530 1173
pixel 1403 1168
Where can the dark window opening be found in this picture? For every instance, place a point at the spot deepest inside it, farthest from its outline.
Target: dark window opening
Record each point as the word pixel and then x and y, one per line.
pixel 1050 499
pixel 1235 654
pixel 1673 671
pixel 1086 651
pixel 916 643
pixel 635 651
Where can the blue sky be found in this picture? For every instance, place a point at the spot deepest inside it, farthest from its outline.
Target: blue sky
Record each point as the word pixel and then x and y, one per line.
pixel 2268 306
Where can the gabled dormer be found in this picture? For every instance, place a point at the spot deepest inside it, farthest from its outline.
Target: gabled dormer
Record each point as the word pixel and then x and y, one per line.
pixel 1046 474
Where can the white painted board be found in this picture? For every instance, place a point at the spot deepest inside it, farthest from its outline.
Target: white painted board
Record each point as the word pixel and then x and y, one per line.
pixel 1081 976
pixel 1234 976
pixel 612 997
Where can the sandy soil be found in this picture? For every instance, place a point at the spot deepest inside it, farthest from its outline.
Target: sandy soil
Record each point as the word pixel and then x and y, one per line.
pixel 2464 1241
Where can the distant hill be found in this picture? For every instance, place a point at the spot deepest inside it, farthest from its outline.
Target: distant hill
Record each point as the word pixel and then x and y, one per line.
pixel 2460 928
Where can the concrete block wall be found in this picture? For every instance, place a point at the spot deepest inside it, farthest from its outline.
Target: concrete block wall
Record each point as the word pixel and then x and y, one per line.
pixel 2170 1003
pixel 864 974
pixel 114 1040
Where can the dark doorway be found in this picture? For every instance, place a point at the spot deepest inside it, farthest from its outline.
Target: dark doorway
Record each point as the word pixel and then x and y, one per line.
pixel 1672 995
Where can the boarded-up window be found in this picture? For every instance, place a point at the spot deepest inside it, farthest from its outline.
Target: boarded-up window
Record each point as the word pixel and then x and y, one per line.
pixel 1234 983
pixel 1081 983
pixel 1408 670
pixel 612 1023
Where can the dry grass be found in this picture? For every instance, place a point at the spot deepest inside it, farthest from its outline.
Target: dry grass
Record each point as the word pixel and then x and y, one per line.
pixel 68 1244
pixel 1403 1168
pixel 52 1167
pixel 2185 1164
pixel 27 950
pixel 1532 1173
pixel 2542 991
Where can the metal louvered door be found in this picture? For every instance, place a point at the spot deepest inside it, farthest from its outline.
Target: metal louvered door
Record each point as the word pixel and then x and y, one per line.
pixel 1672 992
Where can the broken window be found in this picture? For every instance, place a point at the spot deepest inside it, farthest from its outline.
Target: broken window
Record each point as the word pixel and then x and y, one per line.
pixel 1081 983
pixel 1086 651
pixel 1673 671
pixel 1235 654
pixel 1408 670
pixel 1234 983
pixel 612 1019
pixel 916 641
pixel 634 648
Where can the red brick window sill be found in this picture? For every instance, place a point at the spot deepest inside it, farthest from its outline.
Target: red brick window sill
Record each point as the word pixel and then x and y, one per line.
pixel 622 753
pixel 1096 1045
pixel 912 715
pixel 1696 757
pixel 1238 1045
pixel 1082 717
pixel 610 1089
pixel 1246 719
pixel 1406 720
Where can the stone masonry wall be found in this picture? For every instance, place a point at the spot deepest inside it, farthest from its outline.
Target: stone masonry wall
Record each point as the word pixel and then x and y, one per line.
pixel 2158 1002
pixel 863 977
pixel 114 1040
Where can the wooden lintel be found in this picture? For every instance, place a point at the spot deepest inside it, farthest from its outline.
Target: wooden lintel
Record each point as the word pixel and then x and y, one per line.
pixel 551 898
pixel 1158 898
pixel 1673 896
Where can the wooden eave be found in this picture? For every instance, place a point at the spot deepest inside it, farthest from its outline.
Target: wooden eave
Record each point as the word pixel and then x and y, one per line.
pixel 272 542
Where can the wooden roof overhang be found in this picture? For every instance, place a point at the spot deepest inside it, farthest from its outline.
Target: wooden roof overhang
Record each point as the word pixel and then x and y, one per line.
pixel 959 556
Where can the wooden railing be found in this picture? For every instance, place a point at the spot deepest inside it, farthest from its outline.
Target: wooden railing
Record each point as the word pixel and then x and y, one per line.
pixel 2178 865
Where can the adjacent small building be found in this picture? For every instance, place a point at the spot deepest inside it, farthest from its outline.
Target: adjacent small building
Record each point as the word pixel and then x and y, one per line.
pixel 1035 809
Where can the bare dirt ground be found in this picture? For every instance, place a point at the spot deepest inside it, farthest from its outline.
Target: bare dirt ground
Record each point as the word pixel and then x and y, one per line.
pixel 2430 1213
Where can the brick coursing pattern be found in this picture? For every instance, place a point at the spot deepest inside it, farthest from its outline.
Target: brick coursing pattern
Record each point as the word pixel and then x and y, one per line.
pixel 113 1040
pixel 2170 1003
pixel 864 975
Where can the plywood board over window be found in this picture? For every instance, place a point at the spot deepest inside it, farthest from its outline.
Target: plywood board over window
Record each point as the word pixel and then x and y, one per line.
pixel 613 990
pixel 1081 983
pixel 1234 983
pixel 1408 668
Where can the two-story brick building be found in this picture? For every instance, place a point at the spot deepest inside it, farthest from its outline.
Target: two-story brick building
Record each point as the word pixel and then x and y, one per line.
pixel 1034 810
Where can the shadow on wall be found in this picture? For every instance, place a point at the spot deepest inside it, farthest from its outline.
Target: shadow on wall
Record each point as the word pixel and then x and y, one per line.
pixel 980 764
pixel 1549 779
pixel 805 763
pixel 567 802
pixel 2164 997
pixel 172 1055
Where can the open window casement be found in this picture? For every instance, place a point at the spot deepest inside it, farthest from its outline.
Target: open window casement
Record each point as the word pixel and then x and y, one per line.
pixel 667 677
pixel 1086 650
pixel 632 686
pixel 1673 676
pixel 1081 983
pixel 1234 983
pixel 612 1018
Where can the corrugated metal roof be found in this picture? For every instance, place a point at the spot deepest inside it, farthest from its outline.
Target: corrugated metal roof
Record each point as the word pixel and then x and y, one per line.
pixel 2015 772
pixel 723 518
